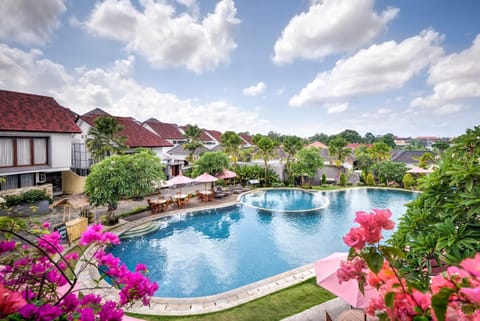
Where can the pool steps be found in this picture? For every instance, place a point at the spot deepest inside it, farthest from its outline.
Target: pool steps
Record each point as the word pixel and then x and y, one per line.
pixel 141 229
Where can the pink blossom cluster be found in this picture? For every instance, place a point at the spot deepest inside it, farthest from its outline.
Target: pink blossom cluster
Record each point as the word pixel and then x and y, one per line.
pixel 32 286
pixel 370 229
pixel 352 269
pixel 461 284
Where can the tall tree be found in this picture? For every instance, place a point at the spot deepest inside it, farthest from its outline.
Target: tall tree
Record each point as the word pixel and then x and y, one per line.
pixel 292 145
pixel 232 142
pixel 369 138
pixel 338 148
pixel 192 134
pixel 212 163
pixel 266 150
pixel 323 138
pixel 379 151
pixel 424 159
pixel 389 139
pixel 308 162
pixel 440 146
pixel 104 138
pixel 351 136
pixel 122 176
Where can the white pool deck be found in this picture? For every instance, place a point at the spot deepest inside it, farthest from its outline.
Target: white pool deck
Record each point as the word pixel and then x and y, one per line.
pixel 212 303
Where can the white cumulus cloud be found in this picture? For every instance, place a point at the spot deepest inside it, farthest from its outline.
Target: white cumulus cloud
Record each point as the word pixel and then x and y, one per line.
pixel 166 38
pixel 255 90
pixel 331 26
pixel 30 22
pixel 454 78
pixel 114 89
pixel 337 108
pixel 378 68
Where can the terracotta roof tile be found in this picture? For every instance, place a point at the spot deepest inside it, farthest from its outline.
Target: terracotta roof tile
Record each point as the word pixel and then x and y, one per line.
pixel 215 134
pixel 165 130
pixel 137 135
pixel 318 145
pixel 34 113
pixel 246 137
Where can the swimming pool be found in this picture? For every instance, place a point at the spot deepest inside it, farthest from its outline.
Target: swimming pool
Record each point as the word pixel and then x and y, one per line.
pixel 285 200
pixel 212 251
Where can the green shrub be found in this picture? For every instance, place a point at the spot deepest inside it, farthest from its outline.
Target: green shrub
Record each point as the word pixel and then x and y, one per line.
pixel 408 181
pixel 28 197
pixel 343 179
pixel 324 179
pixel 370 180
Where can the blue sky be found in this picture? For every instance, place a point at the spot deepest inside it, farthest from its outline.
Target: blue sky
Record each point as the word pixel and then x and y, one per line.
pixel 302 67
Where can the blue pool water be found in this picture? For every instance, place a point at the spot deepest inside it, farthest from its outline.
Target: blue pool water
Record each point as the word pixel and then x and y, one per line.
pixel 209 252
pixel 283 200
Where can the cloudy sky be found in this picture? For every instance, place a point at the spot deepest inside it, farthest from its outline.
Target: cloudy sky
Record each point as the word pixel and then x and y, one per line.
pixel 295 67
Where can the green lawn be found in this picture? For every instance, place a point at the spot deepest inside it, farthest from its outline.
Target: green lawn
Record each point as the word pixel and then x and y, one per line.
pixel 273 307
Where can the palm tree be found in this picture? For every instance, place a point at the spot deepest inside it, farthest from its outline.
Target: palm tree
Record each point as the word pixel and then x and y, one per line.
pixel 337 148
pixel 192 134
pixel 104 138
pixel 292 145
pixel 380 151
pixel 232 142
pixel 424 159
pixel 266 150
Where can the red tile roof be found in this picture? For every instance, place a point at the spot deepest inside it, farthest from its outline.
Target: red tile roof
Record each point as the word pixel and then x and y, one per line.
pixel 34 113
pixel 318 145
pixel 165 130
pixel 246 137
pixel 215 134
pixel 137 135
pixel 357 145
pixel 203 136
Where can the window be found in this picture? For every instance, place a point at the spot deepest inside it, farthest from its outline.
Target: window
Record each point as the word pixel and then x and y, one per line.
pixel 23 151
pixel 6 152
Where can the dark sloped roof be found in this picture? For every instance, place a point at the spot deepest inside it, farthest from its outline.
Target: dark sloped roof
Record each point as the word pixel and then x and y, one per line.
pixel 137 135
pixel 246 137
pixel 215 134
pixel 165 130
pixel 34 113
pixel 179 150
pixel 408 156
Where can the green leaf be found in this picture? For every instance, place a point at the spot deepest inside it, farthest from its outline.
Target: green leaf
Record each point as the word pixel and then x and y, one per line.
pixel 374 261
pixel 389 299
pixel 440 302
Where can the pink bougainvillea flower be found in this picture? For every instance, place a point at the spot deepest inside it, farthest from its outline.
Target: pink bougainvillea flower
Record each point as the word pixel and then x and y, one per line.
pixel 51 243
pixel 473 294
pixel 382 218
pixel 7 246
pixel 355 238
pixel 10 301
pixel 472 265
pixel 439 281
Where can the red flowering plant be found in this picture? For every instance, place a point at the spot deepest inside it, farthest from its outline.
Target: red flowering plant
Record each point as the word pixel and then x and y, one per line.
pixel 39 282
pixel 451 295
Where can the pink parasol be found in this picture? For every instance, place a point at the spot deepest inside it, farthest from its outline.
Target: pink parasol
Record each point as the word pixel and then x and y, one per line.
pixel 418 170
pixel 326 271
pixel 205 178
pixel 179 180
pixel 226 174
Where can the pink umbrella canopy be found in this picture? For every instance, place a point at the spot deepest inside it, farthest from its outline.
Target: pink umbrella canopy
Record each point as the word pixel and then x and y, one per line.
pixel 226 174
pixel 205 178
pixel 418 170
pixel 326 271
pixel 178 180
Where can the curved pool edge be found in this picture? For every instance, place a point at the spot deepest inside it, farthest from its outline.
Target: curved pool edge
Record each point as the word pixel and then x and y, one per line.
pixel 326 200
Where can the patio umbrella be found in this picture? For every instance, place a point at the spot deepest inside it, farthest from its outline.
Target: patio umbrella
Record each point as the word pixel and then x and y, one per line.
pixel 418 170
pixel 226 174
pixel 326 271
pixel 205 178
pixel 179 180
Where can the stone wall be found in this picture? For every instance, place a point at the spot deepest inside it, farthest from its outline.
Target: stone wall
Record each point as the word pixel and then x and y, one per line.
pixel 17 191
